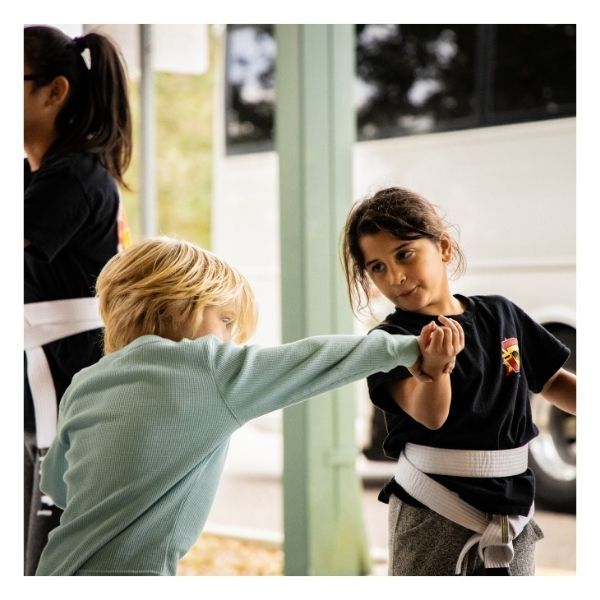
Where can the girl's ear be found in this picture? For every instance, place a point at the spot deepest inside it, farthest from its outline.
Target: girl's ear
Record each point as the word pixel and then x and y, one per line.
pixel 446 247
pixel 58 92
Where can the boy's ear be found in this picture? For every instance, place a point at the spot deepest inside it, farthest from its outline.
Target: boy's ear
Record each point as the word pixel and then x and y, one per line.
pixel 446 247
pixel 58 92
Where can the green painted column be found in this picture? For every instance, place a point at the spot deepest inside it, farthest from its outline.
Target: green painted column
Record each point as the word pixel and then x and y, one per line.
pixel 323 523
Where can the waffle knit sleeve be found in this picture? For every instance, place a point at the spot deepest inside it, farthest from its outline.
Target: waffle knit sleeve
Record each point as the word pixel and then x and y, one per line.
pixel 254 381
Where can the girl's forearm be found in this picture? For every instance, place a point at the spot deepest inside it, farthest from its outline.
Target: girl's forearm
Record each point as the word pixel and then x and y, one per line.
pixel 427 403
pixel 561 390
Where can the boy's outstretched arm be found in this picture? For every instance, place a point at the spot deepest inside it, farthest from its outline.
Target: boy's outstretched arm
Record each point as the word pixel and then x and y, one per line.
pixel 254 381
pixel 561 390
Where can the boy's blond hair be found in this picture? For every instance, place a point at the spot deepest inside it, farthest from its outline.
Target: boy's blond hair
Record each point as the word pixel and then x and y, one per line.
pixel 161 285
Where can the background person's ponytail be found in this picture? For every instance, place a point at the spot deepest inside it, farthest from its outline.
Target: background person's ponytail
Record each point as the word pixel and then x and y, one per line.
pixel 95 118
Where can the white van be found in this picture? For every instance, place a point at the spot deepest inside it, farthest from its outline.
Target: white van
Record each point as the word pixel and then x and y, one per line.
pixel 480 119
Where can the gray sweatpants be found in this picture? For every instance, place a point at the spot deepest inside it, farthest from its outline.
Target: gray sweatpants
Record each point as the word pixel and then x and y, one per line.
pixel 421 542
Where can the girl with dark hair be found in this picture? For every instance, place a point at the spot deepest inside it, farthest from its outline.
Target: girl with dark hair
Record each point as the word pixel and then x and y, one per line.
pixel 462 478
pixel 77 138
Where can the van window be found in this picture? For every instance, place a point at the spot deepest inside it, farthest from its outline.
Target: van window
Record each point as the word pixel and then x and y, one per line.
pixel 413 79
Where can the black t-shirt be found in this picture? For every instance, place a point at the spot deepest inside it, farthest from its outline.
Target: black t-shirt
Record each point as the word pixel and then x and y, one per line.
pixel 507 355
pixel 71 208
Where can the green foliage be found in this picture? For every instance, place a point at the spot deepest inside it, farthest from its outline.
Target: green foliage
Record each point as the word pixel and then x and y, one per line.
pixel 184 123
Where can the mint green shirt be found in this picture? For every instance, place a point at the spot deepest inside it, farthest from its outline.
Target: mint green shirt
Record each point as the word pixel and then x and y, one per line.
pixel 143 434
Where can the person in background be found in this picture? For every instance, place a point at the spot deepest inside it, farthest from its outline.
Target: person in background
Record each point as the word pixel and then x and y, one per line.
pixel 77 137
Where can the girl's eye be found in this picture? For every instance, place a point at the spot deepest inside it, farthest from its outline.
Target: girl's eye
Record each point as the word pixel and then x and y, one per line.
pixel 228 322
pixel 404 254
pixel 377 268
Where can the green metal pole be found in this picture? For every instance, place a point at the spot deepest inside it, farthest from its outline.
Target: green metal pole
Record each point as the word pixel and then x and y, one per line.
pixel 323 524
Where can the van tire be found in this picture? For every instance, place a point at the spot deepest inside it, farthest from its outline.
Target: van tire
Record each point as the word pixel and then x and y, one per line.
pixel 552 455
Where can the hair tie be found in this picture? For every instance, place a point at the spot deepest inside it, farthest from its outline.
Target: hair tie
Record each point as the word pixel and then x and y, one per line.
pixel 84 51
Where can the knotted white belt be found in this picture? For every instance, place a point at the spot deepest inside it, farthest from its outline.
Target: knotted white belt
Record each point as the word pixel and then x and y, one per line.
pixel 47 322
pixel 494 533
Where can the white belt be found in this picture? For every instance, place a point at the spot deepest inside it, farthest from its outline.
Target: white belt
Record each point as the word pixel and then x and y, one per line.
pixel 47 322
pixel 467 463
pixel 494 533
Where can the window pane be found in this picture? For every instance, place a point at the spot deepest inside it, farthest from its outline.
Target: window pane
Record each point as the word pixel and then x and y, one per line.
pixel 414 78
pixel 250 96
pixel 534 71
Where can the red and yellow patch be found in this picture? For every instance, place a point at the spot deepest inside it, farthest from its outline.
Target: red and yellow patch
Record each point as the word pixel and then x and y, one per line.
pixel 510 355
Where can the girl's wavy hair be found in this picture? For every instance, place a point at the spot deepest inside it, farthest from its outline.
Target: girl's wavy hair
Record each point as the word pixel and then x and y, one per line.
pixel 161 286
pixel 96 117
pixel 400 212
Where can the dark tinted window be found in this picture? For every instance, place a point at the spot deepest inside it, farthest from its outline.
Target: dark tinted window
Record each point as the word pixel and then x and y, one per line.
pixel 533 71
pixel 416 78
pixel 250 88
